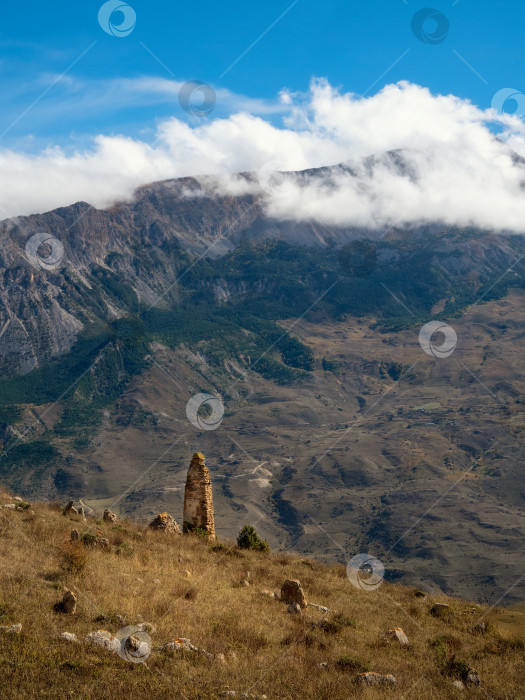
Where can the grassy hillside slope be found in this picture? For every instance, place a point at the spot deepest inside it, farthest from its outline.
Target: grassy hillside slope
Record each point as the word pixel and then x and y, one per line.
pixel 188 587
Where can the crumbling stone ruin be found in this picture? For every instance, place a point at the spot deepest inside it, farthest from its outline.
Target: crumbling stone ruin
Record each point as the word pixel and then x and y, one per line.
pixel 198 498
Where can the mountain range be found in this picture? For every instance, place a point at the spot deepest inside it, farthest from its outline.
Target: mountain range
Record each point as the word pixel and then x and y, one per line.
pixel 340 434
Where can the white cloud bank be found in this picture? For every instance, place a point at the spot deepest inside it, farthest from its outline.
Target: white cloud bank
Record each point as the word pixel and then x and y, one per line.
pixel 462 174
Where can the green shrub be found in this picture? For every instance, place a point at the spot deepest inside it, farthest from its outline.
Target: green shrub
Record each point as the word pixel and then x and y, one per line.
pixel 249 539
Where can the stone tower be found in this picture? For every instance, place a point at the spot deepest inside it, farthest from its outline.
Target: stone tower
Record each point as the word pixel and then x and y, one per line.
pixel 198 498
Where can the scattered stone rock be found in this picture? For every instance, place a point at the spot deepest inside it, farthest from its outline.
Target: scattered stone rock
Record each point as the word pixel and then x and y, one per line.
pixel 10 506
pixel 372 678
pixel 441 610
pixel 220 658
pixel 156 580
pixel 397 633
pixel 295 609
pixel 473 678
pixel 17 498
pixel 185 573
pixel 70 509
pixel 292 592
pixel 245 583
pixel 269 594
pixel 165 523
pixel 75 537
pixel 181 644
pixel 198 498
pixel 109 516
pixel 102 639
pixel 11 629
pixel 323 664
pixel 146 627
pixel 458 685
pixel 321 608
pixel 82 513
pixel 68 604
pixel 68 637
pixel 90 540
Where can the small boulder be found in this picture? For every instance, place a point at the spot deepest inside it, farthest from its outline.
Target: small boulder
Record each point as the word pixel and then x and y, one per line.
pixel 109 516
pixel 295 609
pixel 17 498
pixel 102 639
pixel 372 678
pixel 69 508
pixel 397 633
pixel 10 506
pixel 441 610
pixel 68 637
pixel 268 593
pixel 177 644
pixel 292 592
pixel 68 604
pixel 11 629
pixel 321 608
pixel 165 523
pixel 473 678
pixel 245 583
pixel 458 685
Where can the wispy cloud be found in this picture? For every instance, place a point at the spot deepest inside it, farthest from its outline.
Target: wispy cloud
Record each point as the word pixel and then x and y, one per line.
pixel 453 170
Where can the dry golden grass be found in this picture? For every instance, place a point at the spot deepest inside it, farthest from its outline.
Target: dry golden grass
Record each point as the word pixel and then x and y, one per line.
pixel 276 653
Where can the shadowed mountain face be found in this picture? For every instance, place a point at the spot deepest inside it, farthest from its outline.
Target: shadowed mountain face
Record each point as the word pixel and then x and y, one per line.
pixel 339 432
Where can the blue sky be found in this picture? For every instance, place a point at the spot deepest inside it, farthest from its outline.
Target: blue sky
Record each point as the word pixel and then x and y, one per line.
pixel 358 47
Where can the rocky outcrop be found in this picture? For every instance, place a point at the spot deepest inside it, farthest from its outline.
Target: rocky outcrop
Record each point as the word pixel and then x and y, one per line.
pixel 198 498
pixel 372 678
pixel 164 522
pixel 292 592
pixel 109 516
